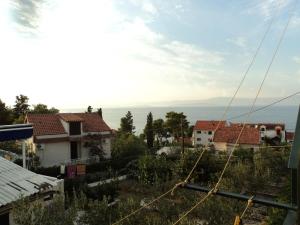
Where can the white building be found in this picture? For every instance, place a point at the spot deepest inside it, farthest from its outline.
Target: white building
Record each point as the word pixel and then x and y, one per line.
pixel 61 138
pixel 16 182
pixel 275 131
pixel 204 130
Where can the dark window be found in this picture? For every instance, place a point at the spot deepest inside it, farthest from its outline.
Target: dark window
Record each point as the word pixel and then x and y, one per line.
pixel 199 132
pixel 74 152
pixel 198 139
pixel 209 132
pixel 75 128
pixel 4 219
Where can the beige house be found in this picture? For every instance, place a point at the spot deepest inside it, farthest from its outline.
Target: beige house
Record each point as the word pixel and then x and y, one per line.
pixel 61 138
pixel 226 137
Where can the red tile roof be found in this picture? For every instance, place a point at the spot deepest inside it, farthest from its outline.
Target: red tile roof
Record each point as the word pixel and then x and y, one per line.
pixel 92 122
pixel 45 124
pixel 250 135
pixel 209 125
pixel 50 124
pixel 70 117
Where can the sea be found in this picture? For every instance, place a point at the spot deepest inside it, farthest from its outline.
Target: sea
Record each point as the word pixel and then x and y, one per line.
pixel 274 114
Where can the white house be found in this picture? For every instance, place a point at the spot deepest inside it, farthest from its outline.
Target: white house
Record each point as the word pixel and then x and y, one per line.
pixel 225 138
pixel 268 130
pixel 204 130
pixel 61 138
pixel 16 181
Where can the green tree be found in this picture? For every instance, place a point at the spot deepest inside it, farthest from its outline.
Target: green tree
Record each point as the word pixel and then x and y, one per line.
pixel 21 108
pixel 89 109
pixel 174 121
pixel 94 143
pixel 159 129
pixel 6 116
pixel 99 111
pixel 148 131
pixel 126 125
pixel 43 109
pixel 127 145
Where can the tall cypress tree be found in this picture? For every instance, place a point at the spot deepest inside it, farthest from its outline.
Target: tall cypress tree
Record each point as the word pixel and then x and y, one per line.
pixel 149 131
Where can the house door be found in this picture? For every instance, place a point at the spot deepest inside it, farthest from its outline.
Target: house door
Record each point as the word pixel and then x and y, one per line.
pixel 74 150
pixel 4 219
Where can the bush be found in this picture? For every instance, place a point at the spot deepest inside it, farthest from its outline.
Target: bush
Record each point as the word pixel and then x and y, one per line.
pixel 153 169
pixel 128 145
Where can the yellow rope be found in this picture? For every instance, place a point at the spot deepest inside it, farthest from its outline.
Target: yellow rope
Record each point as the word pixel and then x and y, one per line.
pixel 145 206
pixel 194 207
pixel 172 190
pixel 214 190
pixel 249 204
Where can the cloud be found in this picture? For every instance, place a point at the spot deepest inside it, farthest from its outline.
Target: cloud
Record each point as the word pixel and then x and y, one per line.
pixel 121 60
pixel 267 8
pixel 238 41
pixel 295 22
pixel 296 59
pixel 26 15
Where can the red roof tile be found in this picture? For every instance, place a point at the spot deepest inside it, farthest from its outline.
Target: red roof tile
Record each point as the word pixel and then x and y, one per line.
pixel 250 135
pixel 45 124
pixel 50 124
pixel 70 117
pixel 209 125
pixel 92 122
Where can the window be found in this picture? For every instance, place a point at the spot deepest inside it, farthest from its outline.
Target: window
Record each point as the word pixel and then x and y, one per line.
pixel 210 132
pixel 262 129
pixel 199 132
pixel 75 128
pixel 198 139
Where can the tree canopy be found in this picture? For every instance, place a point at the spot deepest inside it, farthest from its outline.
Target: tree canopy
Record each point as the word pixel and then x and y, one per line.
pixel 126 125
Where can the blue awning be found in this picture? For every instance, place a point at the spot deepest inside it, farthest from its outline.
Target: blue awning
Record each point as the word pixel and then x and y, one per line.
pixel 15 132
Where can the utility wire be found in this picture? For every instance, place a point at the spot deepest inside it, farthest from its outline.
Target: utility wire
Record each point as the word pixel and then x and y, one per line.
pixel 244 124
pixel 264 107
pixel 219 122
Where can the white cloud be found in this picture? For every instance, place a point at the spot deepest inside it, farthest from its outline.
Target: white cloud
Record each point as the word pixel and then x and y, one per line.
pixel 267 8
pixel 296 59
pixel 238 41
pixel 91 60
pixel 295 22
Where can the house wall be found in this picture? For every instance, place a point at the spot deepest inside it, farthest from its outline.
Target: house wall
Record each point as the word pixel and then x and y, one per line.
pixel 243 146
pixel 106 145
pixel 65 125
pixel 271 133
pixel 204 137
pixel 220 146
pixel 54 154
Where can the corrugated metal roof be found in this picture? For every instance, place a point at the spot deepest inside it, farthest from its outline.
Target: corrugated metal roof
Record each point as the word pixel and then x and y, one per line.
pixel 15 181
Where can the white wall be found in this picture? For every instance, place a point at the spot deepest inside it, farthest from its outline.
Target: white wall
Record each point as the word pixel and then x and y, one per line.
pixel 54 154
pixel 204 136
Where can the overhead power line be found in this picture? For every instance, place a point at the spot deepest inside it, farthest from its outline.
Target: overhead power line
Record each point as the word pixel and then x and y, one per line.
pixel 215 188
pixel 264 107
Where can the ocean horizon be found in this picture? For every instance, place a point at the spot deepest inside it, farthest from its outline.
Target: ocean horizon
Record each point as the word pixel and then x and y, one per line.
pixel 274 114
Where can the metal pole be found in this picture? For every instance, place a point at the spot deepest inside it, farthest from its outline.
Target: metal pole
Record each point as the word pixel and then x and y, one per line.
pixel 24 153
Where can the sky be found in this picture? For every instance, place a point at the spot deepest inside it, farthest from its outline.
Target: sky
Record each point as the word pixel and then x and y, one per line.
pixel 117 53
